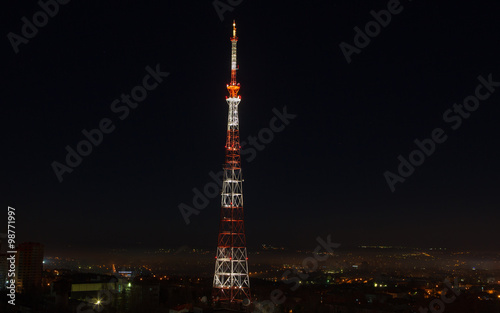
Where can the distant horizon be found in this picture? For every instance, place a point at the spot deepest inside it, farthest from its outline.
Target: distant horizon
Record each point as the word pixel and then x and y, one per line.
pixel 84 251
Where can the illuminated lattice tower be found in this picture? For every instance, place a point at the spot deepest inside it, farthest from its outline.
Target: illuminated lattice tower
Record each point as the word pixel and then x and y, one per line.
pixel 231 282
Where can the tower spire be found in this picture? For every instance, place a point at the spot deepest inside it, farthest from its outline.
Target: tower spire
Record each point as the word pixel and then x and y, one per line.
pixel 231 280
pixel 233 87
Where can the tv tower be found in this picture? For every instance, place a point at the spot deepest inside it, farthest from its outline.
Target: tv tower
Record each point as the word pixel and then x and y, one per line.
pixel 231 282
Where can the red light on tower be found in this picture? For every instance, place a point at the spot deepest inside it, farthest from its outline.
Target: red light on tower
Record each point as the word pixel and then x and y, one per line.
pixel 231 282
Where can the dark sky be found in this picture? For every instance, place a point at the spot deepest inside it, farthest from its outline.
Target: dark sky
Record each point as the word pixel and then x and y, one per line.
pixel 323 174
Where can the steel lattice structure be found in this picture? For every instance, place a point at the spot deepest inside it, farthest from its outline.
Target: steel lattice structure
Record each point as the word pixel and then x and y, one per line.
pixel 231 281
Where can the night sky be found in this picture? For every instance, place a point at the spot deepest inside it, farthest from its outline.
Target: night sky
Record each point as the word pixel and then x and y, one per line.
pixel 322 174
